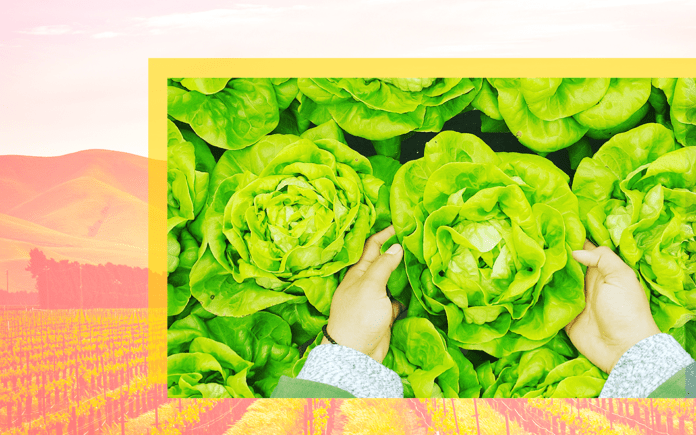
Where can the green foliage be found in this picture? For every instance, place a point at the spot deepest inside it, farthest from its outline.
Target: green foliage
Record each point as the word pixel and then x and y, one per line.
pixel 384 109
pixel 549 114
pixel 286 215
pixel 488 240
pixel 638 196
pixel 674 101
pixel 268 205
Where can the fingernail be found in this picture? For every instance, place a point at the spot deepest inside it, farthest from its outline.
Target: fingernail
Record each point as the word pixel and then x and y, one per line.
pixel 394 249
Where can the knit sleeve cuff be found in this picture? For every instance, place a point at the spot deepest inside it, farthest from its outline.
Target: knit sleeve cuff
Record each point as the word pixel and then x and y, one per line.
pixel 352 371
pixel 646 366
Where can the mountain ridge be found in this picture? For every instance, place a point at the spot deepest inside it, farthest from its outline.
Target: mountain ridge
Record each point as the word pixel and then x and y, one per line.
pixel 89 206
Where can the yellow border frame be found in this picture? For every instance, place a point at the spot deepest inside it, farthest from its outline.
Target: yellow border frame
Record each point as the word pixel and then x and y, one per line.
pixel 161 69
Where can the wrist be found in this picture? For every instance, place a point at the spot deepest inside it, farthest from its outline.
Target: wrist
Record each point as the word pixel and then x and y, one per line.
pixel 339 339
pixel 629 343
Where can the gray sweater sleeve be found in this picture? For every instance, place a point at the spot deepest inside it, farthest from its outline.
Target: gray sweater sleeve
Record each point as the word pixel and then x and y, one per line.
pixel 646 366
pixel 352 371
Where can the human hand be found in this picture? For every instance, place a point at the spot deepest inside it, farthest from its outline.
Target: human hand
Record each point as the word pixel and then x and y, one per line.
pixel 617 313
pixel 361 314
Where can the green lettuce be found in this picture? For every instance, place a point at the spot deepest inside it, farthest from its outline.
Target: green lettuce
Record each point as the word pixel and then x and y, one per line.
pixel 637 195
pixel 428 363
pixel 187 185
pixel 487 243
pixel 188 162
pixel 230 113
pixel 263 338
pixel 675 105
pixel 178 289
pixel 536 133
pixel 622 107
pixel 198 366
pixel 384 109
pixel 549 114
pixel 286 216
pixel 543 372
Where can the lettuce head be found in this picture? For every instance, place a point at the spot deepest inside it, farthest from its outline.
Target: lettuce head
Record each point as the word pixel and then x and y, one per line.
pixel 487 243
pixel 637 196
pixel 285 217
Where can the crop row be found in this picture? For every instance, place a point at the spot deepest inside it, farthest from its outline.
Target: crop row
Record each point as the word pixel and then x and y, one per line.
pixel 85 362
pixel 90 415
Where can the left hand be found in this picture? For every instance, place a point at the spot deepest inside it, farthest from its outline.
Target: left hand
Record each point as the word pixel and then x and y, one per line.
pixel 361 314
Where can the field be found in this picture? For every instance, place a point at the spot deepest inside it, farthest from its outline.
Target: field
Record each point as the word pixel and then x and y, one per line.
pixel 89 372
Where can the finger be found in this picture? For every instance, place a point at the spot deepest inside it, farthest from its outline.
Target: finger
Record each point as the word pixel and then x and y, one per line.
pixel 397 309
pixel 374 244
pixel 588 245
pixel 603 258
pixel 371 251
pixel 379 271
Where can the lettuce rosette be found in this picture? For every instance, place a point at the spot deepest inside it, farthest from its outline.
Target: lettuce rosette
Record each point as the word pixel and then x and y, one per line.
pixel 487 243
pixel 384 109
pixel 230 113
pixel 675 107
pixel 637 196
pixel 286 216
pixel 554 370
pixel 223 357
pixel 429 364
pixel 189 162
pixel 549 114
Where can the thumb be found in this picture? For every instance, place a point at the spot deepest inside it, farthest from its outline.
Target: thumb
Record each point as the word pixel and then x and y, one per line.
pixel 603 258
pixel 379 271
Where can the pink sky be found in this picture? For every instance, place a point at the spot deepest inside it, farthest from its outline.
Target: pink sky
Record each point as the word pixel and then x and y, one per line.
pixel 74 74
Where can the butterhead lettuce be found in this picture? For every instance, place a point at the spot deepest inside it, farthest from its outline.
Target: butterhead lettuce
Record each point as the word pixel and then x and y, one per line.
pixel 549 114
pixel 285 217
pixel 487 243
pixel 188 162
pixel 384 109
pixel 638 196
pixel 429 364
pixel 675 102
pixel 230 113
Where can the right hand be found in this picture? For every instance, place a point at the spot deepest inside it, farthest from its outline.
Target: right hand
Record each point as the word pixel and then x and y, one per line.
pixel 617 313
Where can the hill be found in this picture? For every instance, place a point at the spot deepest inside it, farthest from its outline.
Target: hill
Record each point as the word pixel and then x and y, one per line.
pixel 90 206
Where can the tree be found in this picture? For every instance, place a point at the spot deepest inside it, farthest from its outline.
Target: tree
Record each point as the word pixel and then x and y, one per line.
pixel 38 266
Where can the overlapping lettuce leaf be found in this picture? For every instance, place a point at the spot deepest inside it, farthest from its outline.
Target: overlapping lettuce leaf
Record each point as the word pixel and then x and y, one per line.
pixel 675 105
pixel 263 338
pixel 487 242
pixel 178 289
pixel 638 196
pixel 230 113
pixel 549 114
pixel 428 363
pixel 622 107
pixel 187 186
pixel 554 370
pixel 384 109
pixel 549 130
pixel 199 366
pixel 286 216
pixel 211 356
pixel 188 162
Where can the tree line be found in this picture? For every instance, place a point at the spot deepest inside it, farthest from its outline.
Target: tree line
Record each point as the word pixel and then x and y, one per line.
pixel 70 284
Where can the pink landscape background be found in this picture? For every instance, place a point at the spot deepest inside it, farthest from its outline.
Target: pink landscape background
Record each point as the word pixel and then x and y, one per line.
pixel 89 206
pixel 74 74
pixel 73 184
